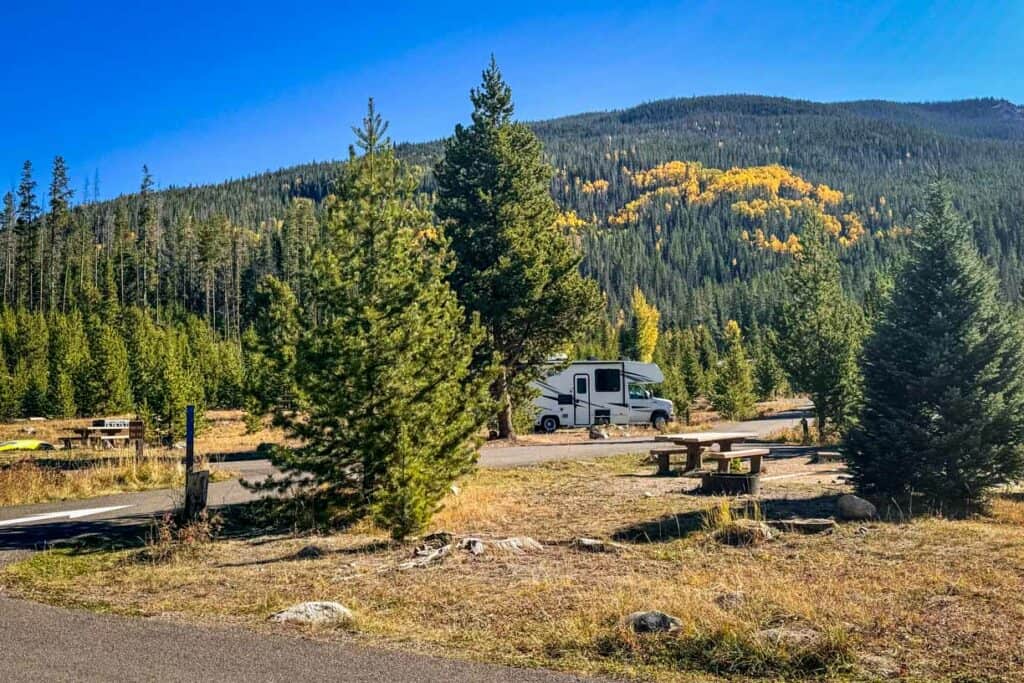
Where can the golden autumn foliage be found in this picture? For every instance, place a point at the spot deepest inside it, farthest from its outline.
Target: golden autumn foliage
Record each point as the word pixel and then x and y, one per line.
pixel 568 221
pixel 598 186
pixel 761 194
pixel 645 326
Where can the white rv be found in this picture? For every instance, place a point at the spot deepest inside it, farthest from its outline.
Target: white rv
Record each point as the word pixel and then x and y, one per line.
pixel 593 392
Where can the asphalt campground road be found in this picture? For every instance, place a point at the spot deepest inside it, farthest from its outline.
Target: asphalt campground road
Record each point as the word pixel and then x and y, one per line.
pixel 43 643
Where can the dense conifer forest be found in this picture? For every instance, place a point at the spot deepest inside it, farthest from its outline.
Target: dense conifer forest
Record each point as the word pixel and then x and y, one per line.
pixel 698 204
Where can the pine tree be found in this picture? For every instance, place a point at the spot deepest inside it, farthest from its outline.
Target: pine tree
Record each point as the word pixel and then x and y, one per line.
pixel 819 333
pixel 270 351
pixel 68 363
pixel 8 399
pixel 386 360
pixel 645 327
pixel 58 223
pixel 513 267
pixel 943 416
pixel 109 378
pixel 26 229
pixel 669 357
pixel 9 245
pixel 693 372
pixel 707 357
pixel 733 395
pixel 769 377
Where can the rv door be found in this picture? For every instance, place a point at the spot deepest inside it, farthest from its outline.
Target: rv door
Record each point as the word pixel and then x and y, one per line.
pixel 581 399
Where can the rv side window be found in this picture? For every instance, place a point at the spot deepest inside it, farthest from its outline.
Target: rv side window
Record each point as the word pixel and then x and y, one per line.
pixel 581 385
pixel 565 399
pixel 607 380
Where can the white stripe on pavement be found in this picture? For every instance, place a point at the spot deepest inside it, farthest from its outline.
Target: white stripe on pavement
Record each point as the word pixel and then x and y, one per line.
pixel 63 514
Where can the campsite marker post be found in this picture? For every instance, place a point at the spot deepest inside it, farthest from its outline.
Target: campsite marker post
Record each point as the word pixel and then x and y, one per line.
pixel 196 483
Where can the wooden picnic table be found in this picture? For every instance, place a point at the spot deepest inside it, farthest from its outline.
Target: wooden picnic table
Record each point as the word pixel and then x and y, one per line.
pixel 97 436
pixel 695 443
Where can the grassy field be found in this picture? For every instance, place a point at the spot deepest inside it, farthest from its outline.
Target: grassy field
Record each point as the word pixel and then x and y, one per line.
pixel 26 482
pixel 926 600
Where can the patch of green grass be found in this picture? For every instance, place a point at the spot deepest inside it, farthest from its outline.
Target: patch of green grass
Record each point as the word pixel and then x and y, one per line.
pixel 728 651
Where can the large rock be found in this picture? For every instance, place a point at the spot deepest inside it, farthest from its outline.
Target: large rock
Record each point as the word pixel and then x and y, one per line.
pixel 652 621
pixel 854 508
pixel 315 613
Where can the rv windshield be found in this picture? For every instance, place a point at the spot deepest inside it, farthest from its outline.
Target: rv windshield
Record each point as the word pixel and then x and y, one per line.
pixel 637 391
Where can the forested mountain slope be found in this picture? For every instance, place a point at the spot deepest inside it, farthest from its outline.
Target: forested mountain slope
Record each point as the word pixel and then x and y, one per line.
pixel 695 200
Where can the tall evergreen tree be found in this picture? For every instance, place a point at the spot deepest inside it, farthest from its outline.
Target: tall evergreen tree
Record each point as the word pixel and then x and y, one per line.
pixel 9 245
pixel 513 267
pixel 943 416
pixel 26 228
pixel 386 360
pixel 819 333
pixel 58 223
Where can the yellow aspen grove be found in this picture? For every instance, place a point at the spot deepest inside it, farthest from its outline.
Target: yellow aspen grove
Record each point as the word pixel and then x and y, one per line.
pixel 771 196
pixel 645 326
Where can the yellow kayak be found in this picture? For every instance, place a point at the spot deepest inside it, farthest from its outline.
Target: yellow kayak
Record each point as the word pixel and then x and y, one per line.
pixel 26 445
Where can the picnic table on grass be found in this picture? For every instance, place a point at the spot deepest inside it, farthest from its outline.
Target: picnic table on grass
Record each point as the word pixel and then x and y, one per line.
pixel 97 437
pixel 694 444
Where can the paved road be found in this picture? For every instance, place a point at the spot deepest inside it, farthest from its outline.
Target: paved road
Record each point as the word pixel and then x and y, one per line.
pixel 41 643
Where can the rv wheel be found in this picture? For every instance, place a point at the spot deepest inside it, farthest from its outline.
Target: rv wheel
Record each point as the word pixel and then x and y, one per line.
pixel 659 421
pixel 549 423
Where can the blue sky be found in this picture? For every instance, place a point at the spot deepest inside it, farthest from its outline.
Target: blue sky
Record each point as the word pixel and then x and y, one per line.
pixel 205 91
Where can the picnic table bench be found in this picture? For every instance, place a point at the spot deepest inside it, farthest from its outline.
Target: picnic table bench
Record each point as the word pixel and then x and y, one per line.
pixel 694 444
pixel 726 458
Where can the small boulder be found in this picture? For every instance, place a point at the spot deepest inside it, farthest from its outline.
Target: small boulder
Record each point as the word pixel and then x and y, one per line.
pixel 652 621
pixel 731 600
pixel 852 507
pixel 310 552
pixel 474 545
pixel 788 637
pixel 318 613
pixel 593 545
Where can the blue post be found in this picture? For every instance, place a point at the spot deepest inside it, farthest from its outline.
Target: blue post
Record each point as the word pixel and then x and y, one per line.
pixel 190 437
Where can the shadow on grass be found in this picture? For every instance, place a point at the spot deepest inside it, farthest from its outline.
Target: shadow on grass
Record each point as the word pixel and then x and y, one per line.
pixel 262 517
pixel 301 555
pixel 672 527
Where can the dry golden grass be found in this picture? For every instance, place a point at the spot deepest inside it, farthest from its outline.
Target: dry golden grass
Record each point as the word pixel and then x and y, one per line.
pixel 938 598
pixel 26 482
